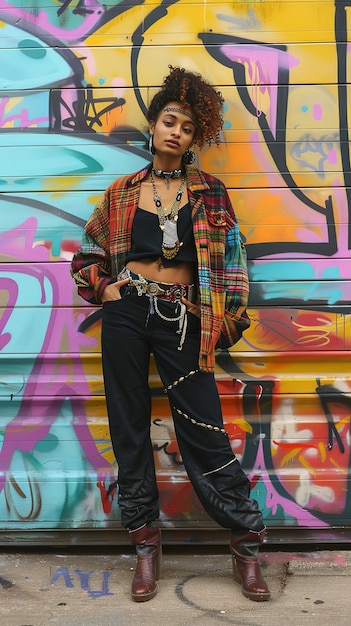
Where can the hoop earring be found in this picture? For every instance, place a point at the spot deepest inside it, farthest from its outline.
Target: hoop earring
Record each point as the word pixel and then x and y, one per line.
pixel 151 145
pixel 188 157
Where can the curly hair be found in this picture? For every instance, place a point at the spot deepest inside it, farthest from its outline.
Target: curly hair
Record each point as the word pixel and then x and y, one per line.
pixel 191 89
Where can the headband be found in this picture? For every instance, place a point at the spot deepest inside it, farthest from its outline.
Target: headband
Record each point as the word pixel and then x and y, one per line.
pixel 179 110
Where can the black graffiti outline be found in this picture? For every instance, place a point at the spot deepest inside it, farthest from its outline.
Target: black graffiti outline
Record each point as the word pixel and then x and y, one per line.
pixel 80 9
pixel 341 39
pixel 213 43
pixel 330 394
pixel 138 39
pixel 79 117
pixel 211 613
pixel 106 15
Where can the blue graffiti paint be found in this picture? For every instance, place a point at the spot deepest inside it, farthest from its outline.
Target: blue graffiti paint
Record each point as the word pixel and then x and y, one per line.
pixel 291 270
pixel 25 62
pixel 63 571
pixel 298 280
pixel 85 583
pixel 51 155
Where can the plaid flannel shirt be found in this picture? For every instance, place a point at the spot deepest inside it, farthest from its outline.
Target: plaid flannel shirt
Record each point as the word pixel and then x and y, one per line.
pixel 221 255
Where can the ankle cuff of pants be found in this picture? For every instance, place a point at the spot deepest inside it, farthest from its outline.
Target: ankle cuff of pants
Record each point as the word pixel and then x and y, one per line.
pixel 237 533
pixel 134 530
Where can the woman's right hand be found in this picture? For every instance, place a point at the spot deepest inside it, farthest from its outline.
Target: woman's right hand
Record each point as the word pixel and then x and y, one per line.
pixel 112 292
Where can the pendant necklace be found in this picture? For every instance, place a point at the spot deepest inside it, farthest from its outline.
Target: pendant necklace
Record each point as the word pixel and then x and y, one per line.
pixel 168 223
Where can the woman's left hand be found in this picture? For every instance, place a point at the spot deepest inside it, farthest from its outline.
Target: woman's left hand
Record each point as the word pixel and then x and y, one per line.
pixel 193 308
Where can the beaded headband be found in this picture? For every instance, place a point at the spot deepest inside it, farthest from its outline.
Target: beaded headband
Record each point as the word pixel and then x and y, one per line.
pixel 179 110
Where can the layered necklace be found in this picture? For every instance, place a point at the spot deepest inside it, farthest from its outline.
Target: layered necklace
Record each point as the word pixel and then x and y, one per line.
pixel 168 222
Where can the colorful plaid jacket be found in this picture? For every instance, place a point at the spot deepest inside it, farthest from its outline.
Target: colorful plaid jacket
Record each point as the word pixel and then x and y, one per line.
pixel 221 255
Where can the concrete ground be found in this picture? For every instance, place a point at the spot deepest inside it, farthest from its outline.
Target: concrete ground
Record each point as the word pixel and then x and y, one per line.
pixel 91 588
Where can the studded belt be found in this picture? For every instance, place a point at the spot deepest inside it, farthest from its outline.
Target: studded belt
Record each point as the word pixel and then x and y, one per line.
pixel 164 291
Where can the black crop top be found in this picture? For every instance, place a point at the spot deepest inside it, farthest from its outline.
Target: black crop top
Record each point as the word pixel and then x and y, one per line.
pixel 147 238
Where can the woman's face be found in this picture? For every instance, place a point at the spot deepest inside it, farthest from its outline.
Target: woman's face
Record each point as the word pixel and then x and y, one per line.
pixel 174 130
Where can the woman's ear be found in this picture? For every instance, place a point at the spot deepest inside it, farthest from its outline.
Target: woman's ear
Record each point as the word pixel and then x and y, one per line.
pixel 151 128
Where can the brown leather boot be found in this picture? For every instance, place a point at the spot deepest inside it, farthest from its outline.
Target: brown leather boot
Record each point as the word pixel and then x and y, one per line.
pixel 148 570
pixel 246 568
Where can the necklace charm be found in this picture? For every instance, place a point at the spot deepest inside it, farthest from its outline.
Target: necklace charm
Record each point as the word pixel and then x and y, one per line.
pixel 170 243
pixel 168 224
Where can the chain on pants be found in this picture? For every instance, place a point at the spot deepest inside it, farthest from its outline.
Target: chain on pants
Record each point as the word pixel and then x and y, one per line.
pixel 131 330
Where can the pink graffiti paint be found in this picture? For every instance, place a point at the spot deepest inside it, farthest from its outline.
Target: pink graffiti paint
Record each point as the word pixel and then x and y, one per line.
pixel 262 65
pixel 46 376
pixel 273 499
pixel 89 23
pixel 317 111
pixel 22 118
pixel 7 286
pixel 332 157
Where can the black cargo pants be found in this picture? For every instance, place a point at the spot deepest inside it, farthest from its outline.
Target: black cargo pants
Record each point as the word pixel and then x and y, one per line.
pixel 131 330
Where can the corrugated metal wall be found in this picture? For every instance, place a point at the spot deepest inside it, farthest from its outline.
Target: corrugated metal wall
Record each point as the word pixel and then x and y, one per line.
pixel 75 80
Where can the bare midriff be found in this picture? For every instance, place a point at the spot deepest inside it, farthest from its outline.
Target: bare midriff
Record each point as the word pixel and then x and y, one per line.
pixel 182 273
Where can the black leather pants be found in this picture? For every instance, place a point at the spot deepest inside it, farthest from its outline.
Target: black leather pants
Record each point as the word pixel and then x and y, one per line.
pixel 131 330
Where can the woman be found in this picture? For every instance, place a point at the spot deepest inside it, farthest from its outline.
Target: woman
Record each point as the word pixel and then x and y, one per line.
pixel 162 253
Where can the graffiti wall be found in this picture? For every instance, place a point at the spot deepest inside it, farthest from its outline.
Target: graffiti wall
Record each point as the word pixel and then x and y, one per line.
pixel 76 77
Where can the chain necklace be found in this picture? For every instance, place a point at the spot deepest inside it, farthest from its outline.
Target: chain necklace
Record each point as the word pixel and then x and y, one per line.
pixel 168 223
